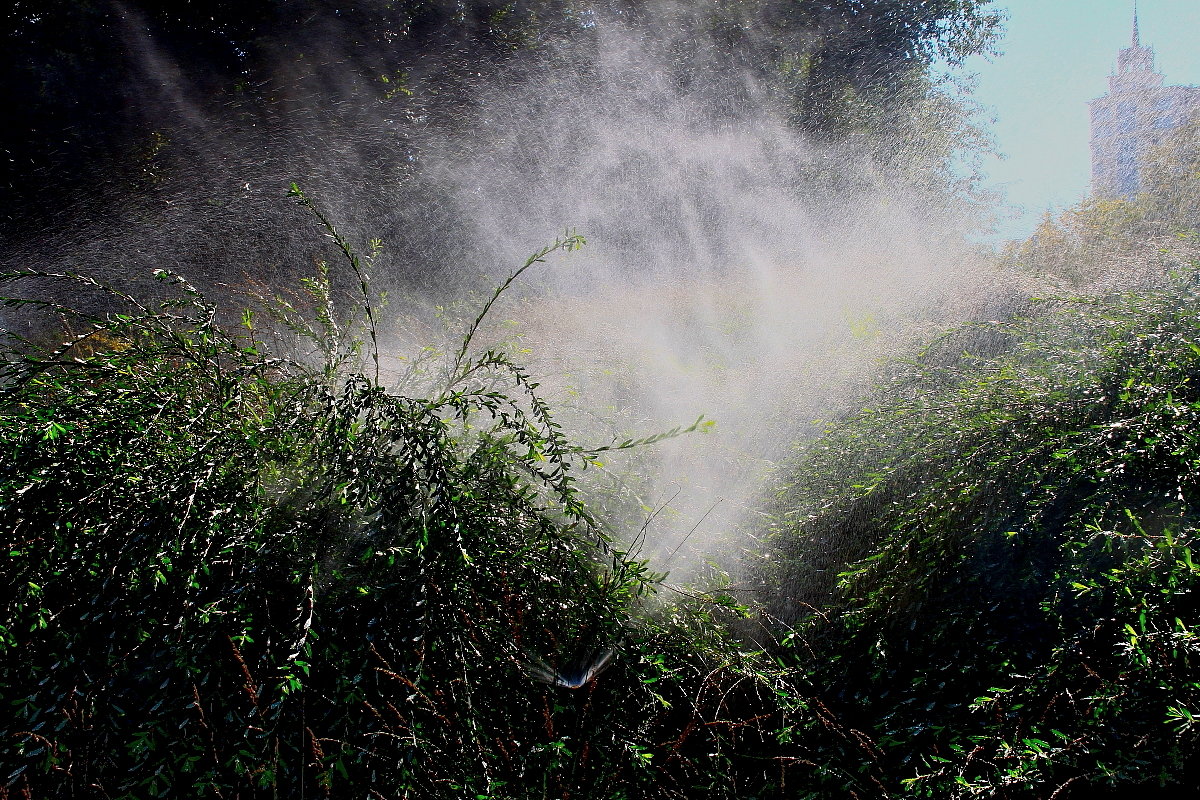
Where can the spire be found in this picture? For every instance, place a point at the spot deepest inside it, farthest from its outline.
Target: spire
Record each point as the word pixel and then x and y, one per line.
pixel 1135 64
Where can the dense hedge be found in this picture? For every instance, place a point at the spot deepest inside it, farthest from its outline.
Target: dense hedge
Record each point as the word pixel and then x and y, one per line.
pixel 989 573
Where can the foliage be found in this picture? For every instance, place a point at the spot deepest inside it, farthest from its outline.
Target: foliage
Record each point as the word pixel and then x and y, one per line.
pixel 1083 241
pixel 1107 242
pixel 231 574
pixel 870 52
pixel 988 575
pixel 89 75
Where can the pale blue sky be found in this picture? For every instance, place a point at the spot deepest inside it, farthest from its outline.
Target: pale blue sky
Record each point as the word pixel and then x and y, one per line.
pixel 1057 55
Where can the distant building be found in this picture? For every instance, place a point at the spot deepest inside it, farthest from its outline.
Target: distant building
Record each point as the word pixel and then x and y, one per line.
pixel 1133 117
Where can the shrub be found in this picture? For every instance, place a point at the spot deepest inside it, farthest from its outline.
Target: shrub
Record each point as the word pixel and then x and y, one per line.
pixel 988 574
pixel 233 574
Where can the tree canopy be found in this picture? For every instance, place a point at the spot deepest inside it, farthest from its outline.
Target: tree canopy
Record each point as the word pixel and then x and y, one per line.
pixel 87 78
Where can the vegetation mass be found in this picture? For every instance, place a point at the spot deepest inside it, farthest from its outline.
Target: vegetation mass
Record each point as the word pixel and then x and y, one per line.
pixel 248 560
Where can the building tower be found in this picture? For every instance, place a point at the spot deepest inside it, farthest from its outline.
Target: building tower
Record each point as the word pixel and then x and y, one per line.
pixel 1133 117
